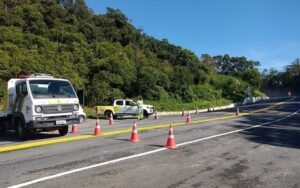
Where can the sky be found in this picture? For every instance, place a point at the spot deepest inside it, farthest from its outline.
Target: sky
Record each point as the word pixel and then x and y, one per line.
pixel 267 31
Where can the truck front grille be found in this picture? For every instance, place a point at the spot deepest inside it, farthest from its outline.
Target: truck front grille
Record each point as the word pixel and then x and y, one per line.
pixel 54 109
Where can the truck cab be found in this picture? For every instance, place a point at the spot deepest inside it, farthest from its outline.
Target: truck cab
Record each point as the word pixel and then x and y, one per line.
pixel 39 103
pixel 127 107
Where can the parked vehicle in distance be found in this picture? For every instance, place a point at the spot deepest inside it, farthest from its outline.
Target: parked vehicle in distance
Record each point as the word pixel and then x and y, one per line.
pixel 39 102
pixel 124 107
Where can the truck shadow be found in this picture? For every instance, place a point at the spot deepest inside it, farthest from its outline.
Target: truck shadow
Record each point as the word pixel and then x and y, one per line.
pixel 10 136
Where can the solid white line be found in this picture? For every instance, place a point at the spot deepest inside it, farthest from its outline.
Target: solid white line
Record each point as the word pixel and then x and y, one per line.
pixel 140 155
pixel 236 131
pixel 86 168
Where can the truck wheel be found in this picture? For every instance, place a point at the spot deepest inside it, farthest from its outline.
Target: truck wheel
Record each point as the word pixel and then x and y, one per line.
pixel 20 130
pixel 81 119
pixel 63 131
pixel 2 129
pixel 107 114
pixel 145 113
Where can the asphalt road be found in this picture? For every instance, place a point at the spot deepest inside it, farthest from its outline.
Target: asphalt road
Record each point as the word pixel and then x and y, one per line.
pixel 260 149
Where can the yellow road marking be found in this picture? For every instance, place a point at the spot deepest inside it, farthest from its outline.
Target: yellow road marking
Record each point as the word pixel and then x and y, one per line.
pixel 111 133
pixel 42 143
pixel 122 131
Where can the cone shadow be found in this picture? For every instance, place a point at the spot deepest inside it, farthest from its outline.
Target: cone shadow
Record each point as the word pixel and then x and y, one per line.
pixel 156 145
pixel 123 139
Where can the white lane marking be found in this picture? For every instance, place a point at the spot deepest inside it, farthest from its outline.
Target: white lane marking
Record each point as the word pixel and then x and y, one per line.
pixel 141 154
pixel 86 168
pixel 236 131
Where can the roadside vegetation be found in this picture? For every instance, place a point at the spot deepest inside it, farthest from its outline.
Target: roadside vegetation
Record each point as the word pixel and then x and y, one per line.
pixel 108 58
pixel 288 79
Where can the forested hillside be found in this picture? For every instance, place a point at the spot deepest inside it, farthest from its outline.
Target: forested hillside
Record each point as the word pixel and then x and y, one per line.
pixel 283 81
pixel 109 58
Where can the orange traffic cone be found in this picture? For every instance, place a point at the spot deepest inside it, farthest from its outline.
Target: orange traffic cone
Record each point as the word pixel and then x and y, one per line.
pixel 97 129
pixel 155 115
pixel 171 144
pixel 237 111
pixel 134 134
pixel 111 120
pixel 74 128
pixel 188 118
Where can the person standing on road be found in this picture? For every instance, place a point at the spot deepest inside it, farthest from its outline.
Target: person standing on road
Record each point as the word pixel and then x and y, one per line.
pixel 140 102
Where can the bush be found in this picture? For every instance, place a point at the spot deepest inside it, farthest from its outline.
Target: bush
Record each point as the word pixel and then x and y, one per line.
pixel 257 93
pixel 233 88
pixel 90 112
pixel 206 92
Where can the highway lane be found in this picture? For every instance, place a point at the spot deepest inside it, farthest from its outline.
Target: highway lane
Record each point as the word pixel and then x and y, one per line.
pixel 183 167
pixel 126 123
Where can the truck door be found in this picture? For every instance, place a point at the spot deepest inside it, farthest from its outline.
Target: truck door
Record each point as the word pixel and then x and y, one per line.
pixel 120 107
pixel 131 107
pixel 21 91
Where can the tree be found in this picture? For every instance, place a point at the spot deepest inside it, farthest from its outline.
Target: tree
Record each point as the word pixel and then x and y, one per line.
pixel 110 58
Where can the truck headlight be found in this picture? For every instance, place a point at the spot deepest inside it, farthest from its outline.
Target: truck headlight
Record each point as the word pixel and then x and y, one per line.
pixel 76 107
pixel 38 109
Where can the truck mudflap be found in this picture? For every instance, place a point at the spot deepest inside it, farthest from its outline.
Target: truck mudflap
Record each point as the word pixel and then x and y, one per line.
pixel 51 123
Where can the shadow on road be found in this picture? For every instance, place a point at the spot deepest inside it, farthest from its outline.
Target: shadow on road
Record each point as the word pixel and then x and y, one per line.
pixel 12 137
pixel 284 133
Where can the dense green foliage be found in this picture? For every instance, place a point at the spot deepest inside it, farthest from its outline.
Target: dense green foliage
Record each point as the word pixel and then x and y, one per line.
pixel 109 58
pixel 289 78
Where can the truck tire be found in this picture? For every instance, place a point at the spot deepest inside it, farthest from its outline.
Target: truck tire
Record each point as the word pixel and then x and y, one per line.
pixel 107 114
pixel 2 126
pixel 63 130
pixel 145 113
pixel 81 119
pixel 2 129
pixel 20 130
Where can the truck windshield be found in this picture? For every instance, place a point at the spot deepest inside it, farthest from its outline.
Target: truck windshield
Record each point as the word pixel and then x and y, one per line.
pixel 51 89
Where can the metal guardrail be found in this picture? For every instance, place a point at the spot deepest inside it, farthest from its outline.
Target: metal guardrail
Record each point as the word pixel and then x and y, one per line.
pixel 248 100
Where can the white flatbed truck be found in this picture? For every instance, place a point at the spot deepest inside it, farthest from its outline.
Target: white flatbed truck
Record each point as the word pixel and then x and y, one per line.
pixel 37 103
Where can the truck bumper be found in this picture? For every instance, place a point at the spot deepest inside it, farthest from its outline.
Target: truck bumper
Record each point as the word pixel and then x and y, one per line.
pixel 50 123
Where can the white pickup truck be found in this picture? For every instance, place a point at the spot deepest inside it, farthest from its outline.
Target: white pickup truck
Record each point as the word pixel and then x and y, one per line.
pixel 38 103
pixel 124 107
